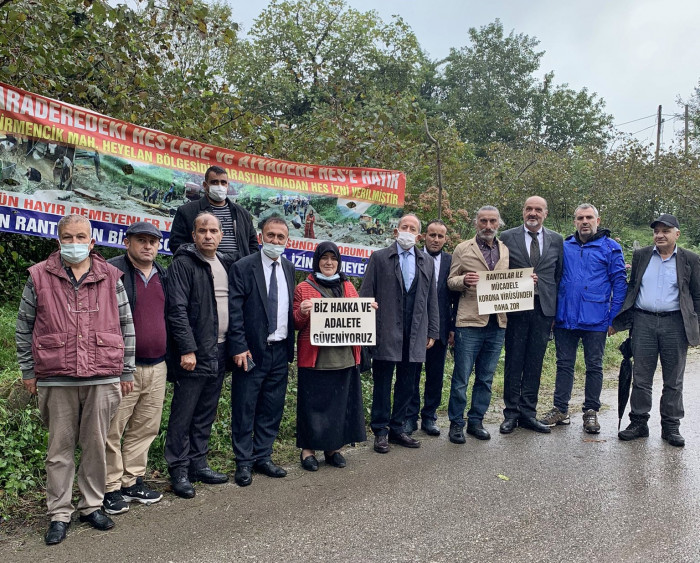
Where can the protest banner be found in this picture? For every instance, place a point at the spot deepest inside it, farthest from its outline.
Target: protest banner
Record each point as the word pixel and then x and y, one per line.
pixel 342 322
pixel 57 158
pixel 505 291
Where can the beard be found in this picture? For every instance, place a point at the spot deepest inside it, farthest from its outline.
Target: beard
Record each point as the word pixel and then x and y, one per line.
pixel 487 234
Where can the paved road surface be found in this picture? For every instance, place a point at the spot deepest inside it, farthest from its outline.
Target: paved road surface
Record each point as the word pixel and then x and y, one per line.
pixel 569 497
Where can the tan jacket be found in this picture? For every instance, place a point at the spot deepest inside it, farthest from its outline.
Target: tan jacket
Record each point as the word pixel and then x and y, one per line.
pixel 467 257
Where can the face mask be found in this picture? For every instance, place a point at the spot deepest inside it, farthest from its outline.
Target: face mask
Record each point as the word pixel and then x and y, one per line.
pixel 406 240
pixel 218 193
pixel 273 251
pixel 320 276
pixel 75 253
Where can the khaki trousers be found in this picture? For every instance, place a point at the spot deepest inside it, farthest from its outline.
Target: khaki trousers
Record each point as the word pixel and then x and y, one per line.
pixel 76 415
pixel 138 420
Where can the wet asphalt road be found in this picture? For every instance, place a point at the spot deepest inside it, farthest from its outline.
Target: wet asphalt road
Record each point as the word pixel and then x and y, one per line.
pixel 569 496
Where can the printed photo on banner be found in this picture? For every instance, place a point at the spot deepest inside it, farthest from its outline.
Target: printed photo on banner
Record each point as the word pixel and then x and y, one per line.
pixel 58 158
pixel 343 322
pixel 505 291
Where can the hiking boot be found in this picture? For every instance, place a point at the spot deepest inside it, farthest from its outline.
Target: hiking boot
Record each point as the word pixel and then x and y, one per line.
pixel 636 429
pixel 114 503
pixel 456 434
pixel 555 417
pixel 141 493
pixel 673 437
pixel 590 422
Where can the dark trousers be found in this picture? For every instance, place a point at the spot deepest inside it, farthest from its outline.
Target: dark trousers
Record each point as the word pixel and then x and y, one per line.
pixel 593 349
pixel 192 412
pixel 432 394
pixel 526 340
pixel 257 402
pixel 384 418
pixel 653 338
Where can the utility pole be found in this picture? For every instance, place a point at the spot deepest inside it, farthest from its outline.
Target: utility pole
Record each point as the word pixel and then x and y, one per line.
pixel 658 136
pixel 686 130
pixel 439 168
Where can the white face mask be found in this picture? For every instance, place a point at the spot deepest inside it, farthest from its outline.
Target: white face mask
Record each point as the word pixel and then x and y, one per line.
pixel 218 193
pixel 406 240
pixel 273 251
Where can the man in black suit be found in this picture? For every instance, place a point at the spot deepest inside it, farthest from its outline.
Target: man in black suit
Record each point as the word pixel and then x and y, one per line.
pixel 435 239
pixel 661 310
pixel 527 333
pixel 400 279
pixel 239 235
pixel 261 328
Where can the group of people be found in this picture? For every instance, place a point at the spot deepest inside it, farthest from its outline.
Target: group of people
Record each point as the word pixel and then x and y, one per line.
pixel 96 340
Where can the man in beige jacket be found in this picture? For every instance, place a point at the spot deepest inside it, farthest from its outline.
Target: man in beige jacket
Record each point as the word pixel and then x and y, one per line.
pixel 478 338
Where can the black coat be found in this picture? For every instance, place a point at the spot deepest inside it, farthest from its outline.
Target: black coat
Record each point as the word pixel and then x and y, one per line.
pixel 247 307
pixel 183 225
pixel 192 314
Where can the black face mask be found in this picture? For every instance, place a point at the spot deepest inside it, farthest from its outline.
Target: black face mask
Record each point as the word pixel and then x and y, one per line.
pixel 434 254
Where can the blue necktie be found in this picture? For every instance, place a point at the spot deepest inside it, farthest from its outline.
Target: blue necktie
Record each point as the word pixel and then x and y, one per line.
pixel 405 272
pixel 272 300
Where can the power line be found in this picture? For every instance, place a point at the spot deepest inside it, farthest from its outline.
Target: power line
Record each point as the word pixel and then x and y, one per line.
pixel 638 119
pixel 650 127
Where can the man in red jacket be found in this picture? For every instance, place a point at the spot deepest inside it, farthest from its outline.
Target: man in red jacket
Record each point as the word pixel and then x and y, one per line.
pixel 75 347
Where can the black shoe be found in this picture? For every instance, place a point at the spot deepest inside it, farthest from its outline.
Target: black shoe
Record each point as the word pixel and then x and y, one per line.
pixel 208 475
pixel 404 440
pixel 56 532
pixel 309 463
pixel 181 485
pixel 636 429
pixel 673 437
pixel 243 476
pixel 270 469
pixel 477 430
pixel 508 425
pixel 430 427
pixel 410 426
pixel 381 444
pixel 456 434
pixel 531 423
pixel 335 459
pixel 98 520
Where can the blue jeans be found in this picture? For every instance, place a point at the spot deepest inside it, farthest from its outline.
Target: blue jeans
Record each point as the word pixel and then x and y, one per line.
pixel 476 348
pixel 593 349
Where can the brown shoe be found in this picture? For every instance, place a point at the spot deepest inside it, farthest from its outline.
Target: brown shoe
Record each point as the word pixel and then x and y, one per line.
pixel 404 440
pixel 381 444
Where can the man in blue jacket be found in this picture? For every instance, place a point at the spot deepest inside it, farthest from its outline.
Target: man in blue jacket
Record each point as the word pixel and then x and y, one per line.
pixel 591 293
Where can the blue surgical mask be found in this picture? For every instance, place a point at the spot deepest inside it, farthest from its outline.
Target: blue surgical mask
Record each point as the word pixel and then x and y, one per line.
pixel 75 253
pixel 320 276
pixel 273 251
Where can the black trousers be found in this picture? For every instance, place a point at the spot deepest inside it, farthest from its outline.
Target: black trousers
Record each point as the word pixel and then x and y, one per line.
pixel 192 413
pixel 384 419
pixel 526 340
pixel 257 403
pixel 432 394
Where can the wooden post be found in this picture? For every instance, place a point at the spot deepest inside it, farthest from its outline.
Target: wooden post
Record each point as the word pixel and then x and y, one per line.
pixel 658 136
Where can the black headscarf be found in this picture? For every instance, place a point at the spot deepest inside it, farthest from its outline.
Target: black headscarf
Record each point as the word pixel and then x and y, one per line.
pixel 335 286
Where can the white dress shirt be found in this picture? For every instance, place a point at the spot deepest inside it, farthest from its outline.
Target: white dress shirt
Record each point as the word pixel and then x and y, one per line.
pixel 282 297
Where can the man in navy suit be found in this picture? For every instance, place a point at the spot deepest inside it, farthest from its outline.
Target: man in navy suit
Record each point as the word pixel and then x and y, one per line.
pixel 261 328
pixel 435 239
pixel 527 334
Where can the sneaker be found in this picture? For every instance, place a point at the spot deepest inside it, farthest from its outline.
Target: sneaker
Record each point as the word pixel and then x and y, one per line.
pixel 590 422
pixel 141 493
pixel 555 418
pixel 636 429
pixel 114 503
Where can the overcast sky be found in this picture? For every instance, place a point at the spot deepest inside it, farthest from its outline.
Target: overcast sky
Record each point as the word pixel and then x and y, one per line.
pixel 636 54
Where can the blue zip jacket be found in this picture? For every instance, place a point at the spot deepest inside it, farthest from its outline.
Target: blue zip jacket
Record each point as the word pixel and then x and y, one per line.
pixel 593 285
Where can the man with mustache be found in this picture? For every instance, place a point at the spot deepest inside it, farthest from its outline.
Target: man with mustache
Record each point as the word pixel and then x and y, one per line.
pixel 591 293
pixel 478 338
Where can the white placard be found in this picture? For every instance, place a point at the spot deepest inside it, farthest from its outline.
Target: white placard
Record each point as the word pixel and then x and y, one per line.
pixel 505 291
pixel 343 322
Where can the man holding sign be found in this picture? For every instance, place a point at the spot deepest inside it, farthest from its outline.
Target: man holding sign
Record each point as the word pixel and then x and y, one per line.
pixel 527 334
pixel 478 338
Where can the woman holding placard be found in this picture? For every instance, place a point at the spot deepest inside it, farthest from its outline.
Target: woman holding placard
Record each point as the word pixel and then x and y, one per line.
pixel 329 396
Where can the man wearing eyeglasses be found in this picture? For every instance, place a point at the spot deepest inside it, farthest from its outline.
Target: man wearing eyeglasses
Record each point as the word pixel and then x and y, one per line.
pixel 239 235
